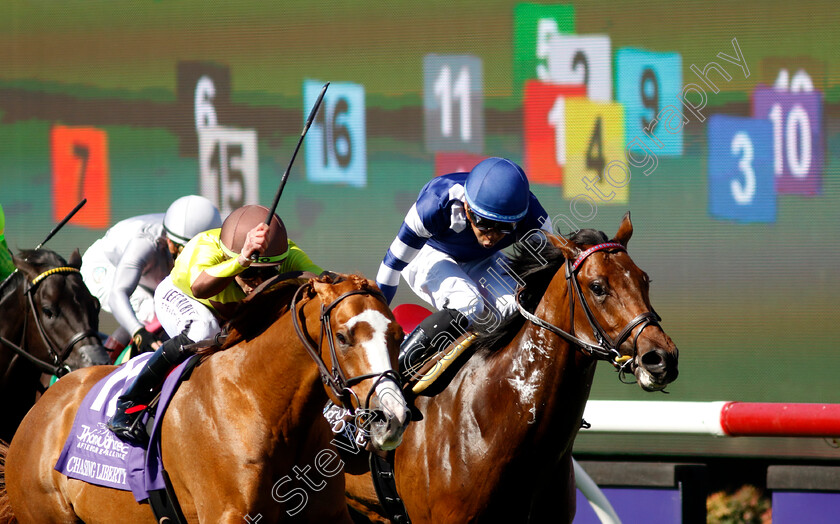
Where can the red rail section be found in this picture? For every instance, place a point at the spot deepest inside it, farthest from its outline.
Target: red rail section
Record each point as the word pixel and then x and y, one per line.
pixel 762 419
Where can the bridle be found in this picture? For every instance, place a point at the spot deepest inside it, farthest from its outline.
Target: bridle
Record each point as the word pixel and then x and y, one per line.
pixel 606 348
pixel 58 356
pixel 335 378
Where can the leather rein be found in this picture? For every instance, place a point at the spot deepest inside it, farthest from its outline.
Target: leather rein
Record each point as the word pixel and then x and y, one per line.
pixel 57 366
pixel 335 377
pixel 606 348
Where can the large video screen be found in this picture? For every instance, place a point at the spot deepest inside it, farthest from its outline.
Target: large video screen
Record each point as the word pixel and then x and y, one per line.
pixel 715 124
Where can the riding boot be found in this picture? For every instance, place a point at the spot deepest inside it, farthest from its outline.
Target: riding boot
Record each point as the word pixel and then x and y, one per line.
pixel 125 423
pixel 413 353
pixel 433 335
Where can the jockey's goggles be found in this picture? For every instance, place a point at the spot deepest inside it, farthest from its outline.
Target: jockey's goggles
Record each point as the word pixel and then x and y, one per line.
pixel 486 224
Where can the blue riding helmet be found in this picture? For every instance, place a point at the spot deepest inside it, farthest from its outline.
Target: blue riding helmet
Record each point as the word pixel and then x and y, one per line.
pixel 497 189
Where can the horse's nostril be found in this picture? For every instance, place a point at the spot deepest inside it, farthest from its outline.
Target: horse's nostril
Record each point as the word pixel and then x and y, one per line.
pixel 653 360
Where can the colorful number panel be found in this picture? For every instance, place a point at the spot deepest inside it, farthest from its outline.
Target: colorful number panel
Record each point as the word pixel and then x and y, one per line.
pixel 595 151
pixel 545 130
pixel 336 148
pixel 534 26
pixel 228 167
pixel 453 103
pixel 646 82
pixel 80 170
pixel 582 59
pixel 796 118
pixel 203 95
pixel 740 169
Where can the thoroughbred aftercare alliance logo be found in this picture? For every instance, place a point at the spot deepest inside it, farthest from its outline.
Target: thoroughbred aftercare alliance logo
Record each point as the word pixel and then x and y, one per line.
pixel 101 441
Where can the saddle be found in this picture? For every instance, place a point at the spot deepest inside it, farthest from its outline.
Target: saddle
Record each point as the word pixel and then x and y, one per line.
pixel 437 369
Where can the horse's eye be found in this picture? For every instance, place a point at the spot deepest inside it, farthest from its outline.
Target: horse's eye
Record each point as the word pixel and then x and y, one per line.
pixel 48 311
pixel 598 289
pixel 341 339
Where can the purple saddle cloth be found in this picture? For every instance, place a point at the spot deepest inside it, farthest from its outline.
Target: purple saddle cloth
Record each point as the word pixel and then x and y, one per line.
pixel 95 455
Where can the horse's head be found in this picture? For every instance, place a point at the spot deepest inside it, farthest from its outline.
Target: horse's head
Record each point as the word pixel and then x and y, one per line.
pixel 63 316
pixel 361 347
pixel 613 304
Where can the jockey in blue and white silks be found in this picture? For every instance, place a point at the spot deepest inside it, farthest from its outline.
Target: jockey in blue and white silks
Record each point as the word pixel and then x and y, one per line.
pixel 449 246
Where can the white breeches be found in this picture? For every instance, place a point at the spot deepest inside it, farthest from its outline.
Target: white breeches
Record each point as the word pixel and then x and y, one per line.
pixel 176 311
pixel 468 287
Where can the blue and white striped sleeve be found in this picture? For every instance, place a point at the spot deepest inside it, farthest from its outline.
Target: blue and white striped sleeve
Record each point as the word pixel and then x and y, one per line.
pixel 411 237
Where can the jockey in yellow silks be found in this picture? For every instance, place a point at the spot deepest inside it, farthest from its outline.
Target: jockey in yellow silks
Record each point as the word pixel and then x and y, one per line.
pixel 213 273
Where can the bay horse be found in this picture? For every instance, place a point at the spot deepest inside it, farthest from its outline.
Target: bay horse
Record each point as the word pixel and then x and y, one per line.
pixel 495 445
pixel 247 420
pixel 49 325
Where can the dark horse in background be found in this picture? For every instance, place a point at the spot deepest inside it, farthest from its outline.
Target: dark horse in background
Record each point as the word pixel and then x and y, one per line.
pixel 496 444
pixel 49 325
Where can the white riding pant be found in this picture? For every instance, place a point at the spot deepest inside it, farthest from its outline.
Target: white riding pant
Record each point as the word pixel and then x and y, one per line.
pixel 469 287
pixel 98 274
pixel 176 311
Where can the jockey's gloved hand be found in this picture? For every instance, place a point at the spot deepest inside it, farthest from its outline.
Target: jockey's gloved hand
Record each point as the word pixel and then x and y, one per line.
pixel 144 340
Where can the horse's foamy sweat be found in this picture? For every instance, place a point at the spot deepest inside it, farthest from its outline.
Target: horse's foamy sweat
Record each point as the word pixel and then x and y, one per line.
pixel 495 444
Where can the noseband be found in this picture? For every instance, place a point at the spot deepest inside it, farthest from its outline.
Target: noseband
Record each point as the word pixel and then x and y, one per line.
pixel 607 348
pixel 57 366
pixel 335 378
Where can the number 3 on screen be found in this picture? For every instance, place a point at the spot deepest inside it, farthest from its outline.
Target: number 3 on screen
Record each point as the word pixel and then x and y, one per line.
pixel 741 182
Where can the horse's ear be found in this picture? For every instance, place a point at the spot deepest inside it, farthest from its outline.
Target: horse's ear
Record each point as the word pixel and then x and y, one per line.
pixel 75 259
pixel 625 230
pixel 570 249
pixel 24 266
pixel 325 290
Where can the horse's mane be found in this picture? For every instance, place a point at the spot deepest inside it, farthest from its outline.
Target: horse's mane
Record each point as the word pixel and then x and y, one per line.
pixel 258 311
pixel 536 277
pixel 41 258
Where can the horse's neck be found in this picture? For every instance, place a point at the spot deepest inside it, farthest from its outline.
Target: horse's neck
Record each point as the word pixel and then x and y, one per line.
pixel 13 310
pixel 548 375
pixel 15 315
pixel 282 377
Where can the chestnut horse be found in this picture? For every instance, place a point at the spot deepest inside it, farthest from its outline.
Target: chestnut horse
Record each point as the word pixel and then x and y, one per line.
pixel 49 325
pixel 495 445
pixel 246 422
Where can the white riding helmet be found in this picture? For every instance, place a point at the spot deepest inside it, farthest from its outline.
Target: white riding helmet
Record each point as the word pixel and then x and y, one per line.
pixel 189 216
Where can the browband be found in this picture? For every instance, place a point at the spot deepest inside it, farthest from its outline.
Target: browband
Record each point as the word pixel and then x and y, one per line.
pixel 593 249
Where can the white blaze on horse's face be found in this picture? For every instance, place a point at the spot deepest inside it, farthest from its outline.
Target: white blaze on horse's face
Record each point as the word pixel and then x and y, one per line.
pixel 376 349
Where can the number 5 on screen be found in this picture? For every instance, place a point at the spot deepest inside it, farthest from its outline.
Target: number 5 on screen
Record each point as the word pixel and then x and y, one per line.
pixel 534 27
pixel 336 151
pixel 741 181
